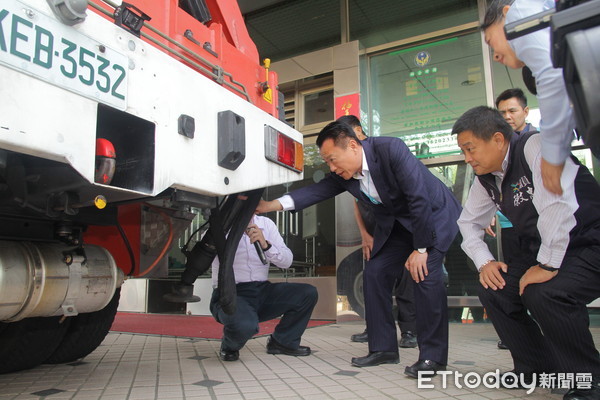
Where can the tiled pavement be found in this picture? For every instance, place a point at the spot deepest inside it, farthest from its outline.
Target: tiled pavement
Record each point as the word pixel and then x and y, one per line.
pixel 134 366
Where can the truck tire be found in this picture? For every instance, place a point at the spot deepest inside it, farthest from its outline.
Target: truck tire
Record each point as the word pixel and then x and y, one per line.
pixel 350 275
pixel 29 342
pixel 86 332
pixel 356 297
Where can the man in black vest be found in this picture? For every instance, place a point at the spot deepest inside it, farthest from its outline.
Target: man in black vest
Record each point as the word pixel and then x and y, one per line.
pixel 558 271
pixel 512 105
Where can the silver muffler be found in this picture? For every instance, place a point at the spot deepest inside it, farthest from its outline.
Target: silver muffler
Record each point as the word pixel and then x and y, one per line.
pixel 49 279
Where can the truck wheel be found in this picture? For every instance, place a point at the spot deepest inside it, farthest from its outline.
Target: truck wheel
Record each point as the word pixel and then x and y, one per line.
pixel 85 333
pixel 27 343
pixel 350 281
pixel 355 294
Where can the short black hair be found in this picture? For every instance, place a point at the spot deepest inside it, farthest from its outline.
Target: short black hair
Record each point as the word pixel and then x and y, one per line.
pixel 509 94
pixel 494 13
pixel 340 132
pixel 351 120
pixel 483 121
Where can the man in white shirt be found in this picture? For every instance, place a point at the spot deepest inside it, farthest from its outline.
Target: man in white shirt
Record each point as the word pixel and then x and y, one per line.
pixel 557 271
pixel 512 104
pixel 259 300
pixel 533 50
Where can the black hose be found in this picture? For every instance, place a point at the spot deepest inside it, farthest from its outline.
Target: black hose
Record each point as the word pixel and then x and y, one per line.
pixel 128 246
pixel 199 259
pixel 227 289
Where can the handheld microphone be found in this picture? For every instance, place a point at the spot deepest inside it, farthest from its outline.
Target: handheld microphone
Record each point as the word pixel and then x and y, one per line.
pixel 260 252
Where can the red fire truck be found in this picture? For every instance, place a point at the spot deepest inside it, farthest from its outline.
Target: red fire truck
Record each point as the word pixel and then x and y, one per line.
pixel 117 122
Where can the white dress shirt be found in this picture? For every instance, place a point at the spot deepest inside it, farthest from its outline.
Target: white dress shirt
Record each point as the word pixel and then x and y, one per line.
pixel 556 213
pixel 557 122
pixel 366 183
pixel 247 266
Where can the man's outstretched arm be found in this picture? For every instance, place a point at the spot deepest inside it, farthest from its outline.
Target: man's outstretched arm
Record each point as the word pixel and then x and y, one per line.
pixel 268 206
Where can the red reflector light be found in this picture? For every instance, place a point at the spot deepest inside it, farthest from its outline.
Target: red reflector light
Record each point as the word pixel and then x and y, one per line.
pixel 286 151
pixel 283 149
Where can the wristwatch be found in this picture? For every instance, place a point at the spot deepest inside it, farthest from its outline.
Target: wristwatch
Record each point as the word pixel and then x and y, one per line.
pixel 422 250
pixel 547 267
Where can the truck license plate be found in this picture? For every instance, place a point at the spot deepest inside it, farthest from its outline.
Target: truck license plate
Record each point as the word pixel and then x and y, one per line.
pixel 43 47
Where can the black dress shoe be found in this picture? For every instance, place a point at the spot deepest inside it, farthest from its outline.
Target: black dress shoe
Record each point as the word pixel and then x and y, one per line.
pixel 273 347
pixel 423 365
pixel 408 340
pixel 360 337
pixel 502 346
pixel 583 394
pixel 376 358
pixel 229 355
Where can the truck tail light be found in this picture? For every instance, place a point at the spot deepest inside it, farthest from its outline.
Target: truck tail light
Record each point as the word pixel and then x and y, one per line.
pixel 283 150
pixel 106 161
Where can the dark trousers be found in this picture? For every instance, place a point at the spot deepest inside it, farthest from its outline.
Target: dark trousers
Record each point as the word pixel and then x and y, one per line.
pixel 263 301
pixel 405 300
pixel 511 249
pixel 557 338
pixel 429 298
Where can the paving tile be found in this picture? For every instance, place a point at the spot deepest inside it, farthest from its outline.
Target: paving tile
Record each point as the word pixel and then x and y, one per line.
pixel 285 394
pixel 47 392
pixel 143 367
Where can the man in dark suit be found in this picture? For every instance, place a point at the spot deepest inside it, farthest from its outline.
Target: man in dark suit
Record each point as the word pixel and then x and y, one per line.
pixel 403 289
pixel 415 218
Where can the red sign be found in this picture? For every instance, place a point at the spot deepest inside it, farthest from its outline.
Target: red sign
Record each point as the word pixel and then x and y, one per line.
pixel 347 105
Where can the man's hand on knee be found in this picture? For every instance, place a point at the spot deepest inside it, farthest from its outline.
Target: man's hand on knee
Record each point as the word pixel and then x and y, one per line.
pixel 490 277
pixel 535 274
pixel 416 264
